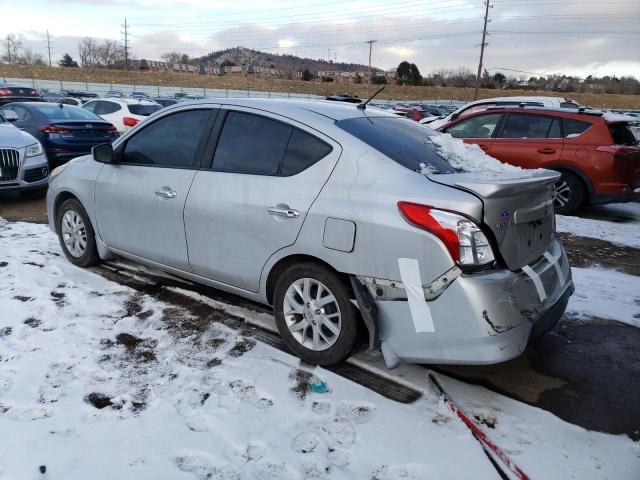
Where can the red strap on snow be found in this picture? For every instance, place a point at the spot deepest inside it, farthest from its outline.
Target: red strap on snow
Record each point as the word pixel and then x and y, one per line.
pixel 478 433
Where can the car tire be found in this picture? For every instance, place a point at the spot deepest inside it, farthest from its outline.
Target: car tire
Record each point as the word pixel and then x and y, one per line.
pixel 76 235
pixel 333 320
pixel 34 194
pixel 569 194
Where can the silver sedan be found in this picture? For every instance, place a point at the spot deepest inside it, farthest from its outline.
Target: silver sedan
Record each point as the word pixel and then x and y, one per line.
pixel 350 222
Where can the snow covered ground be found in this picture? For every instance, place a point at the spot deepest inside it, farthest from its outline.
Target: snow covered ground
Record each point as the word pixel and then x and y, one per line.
pixel 99 381
pixel 620 224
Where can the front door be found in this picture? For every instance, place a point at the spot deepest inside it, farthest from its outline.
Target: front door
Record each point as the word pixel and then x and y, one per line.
pixel 528 140
pixel 265 176
pixel 140 199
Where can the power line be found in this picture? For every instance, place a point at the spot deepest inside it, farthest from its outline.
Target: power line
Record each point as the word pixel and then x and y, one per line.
pixel 482 45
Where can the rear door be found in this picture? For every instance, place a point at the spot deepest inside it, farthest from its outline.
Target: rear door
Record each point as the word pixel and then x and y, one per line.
pixel 528 140
pixel 478 129
pixel 266 173
pixel 140 199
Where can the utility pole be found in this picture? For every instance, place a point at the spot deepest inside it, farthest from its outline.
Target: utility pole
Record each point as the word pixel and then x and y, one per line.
pixel 49 46
pixel 126 44
pixel 482 45
pixel 370 42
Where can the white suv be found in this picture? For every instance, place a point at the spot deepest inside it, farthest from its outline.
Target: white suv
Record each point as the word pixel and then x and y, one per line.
pixel 123 113
pixel 483 104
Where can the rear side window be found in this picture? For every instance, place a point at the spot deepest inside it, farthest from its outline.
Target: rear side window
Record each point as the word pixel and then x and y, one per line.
pixel 144 110
pixel 573 128
pixel 404 141
pixel 481 126
pixel 171 141
pixel 520 125
pixel 251 144
pixel 303 151
pixel 622 134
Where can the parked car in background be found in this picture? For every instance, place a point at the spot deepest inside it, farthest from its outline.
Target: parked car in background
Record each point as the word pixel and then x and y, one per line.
pixel 82 96
pixel 139 94
pixel 123 113
pixel 114 94
pixel 318 207
pixel 23 163
pixel 412 113
pixel 76 102
pixel 343 97
pixel 64 131
pixel 531 101
pixel 166 101
pixel 16 93
pixel 597 155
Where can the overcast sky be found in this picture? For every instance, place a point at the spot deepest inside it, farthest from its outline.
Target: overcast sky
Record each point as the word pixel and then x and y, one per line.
pixel 578 37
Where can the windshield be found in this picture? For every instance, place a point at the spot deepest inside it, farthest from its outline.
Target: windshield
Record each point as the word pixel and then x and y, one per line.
pixel 144 110
pixel 404 141
pixel 56 112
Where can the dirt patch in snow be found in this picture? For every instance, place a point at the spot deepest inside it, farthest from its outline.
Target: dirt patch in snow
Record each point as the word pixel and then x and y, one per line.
pixel 301 387
pixel 99 400
pixel 241 347
pixel 587 252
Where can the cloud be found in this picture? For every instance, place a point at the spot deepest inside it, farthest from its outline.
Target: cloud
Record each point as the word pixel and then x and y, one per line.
pixel 400 51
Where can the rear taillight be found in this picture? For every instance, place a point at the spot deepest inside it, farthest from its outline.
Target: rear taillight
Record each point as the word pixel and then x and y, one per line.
pixel 111 129
pixel 33 92
pixel 464 240
pixel 52 129
pixel 5 91
pixel 621 153
pixel 130 122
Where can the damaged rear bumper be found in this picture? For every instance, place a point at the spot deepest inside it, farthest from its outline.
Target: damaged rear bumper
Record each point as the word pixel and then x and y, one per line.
pixel 483 318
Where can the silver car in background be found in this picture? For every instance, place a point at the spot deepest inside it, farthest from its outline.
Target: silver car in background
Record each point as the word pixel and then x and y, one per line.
pixel 23 163
pixel 345 220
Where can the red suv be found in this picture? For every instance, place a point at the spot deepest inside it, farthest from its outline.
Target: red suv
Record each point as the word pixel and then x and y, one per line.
pixel 598 155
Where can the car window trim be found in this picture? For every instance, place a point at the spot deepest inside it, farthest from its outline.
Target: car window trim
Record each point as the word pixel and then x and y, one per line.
pixel 508 114
pixel 197 156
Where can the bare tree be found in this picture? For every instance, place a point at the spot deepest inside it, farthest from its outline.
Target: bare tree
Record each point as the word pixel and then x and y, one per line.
pixel 174 57
pixel 462 77
pixel 107 53
pixel 88 52
pixel 28 57
pixel 13 47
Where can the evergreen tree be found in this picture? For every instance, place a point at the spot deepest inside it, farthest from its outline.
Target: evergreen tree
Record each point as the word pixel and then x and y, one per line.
pixel 67 61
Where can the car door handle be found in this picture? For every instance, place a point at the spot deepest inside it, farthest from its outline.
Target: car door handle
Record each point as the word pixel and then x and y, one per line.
pixel 546 151
pixel 166 193
pixel 284 212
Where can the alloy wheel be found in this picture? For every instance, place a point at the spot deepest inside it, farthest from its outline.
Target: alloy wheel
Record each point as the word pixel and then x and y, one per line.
pixel 561 193
pixel 74 233
pixel 312 314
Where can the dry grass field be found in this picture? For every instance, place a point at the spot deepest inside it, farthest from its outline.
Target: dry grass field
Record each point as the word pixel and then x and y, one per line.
pixel 195 82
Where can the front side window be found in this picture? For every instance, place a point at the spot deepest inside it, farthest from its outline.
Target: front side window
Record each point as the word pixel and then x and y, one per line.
pixel 481 126
pixel 251 144
pixel 520 125
pixel 22 113
pixel 170 141
pixel 91 106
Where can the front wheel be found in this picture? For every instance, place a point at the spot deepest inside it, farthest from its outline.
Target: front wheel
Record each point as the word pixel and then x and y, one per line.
pixel 314 314
pixel 568 194
pixel 76 234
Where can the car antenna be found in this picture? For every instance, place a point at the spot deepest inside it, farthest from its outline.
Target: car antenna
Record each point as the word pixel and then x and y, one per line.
pixel 363 106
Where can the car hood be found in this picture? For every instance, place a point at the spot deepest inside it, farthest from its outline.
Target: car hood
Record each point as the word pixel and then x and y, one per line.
pixel 13 137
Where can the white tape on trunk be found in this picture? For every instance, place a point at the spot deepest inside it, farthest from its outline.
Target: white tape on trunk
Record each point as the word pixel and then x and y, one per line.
pixel 555 263
pixel 420 313
pixel 536 282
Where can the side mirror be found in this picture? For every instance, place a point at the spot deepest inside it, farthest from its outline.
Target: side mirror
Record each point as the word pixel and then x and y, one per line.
pixel 103 153
pixel 454 116
pixel 10 115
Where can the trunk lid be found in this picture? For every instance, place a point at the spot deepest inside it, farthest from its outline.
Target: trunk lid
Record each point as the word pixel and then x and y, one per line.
pixel 86 131
pixel 517 209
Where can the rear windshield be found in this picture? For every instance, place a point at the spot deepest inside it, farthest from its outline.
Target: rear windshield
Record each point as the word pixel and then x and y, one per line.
pixel 144 110
pixel 402 140
pixel 56 112
pixel 622 134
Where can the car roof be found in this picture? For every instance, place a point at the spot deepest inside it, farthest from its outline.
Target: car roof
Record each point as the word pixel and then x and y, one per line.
pixel 553 111
pixel 326 108
pixel 127 101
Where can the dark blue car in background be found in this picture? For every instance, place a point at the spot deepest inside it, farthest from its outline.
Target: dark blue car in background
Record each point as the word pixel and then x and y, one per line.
pixel 64 131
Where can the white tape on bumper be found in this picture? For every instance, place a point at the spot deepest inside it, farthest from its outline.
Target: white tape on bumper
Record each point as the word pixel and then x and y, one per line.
pixel 536 282
pixel 420 313
pixel 555 263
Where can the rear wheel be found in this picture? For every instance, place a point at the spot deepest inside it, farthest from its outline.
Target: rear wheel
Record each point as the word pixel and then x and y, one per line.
pixel 314 314
pixel 34 194
pixel 76 234
pixel 568 194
